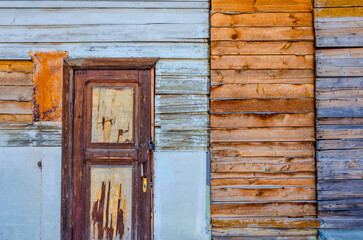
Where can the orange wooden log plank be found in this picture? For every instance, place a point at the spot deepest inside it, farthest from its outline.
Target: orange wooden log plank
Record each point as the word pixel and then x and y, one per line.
pixel 47 84
pixel 262 5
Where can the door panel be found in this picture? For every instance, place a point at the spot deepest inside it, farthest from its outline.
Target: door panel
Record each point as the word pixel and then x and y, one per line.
pixel 111 158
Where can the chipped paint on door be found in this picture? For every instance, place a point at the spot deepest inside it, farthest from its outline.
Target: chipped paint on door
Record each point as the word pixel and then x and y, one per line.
pixel 112 115
pixel 111 198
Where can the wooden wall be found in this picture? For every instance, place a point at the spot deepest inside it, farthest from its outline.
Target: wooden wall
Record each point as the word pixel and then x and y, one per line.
pixel 339 103
pixel 262 120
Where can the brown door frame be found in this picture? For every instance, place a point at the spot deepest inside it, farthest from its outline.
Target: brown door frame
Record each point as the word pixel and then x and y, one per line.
pixel 70 67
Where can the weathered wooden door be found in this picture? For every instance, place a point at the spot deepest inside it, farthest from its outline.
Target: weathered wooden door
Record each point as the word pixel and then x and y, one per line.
pixel 110 154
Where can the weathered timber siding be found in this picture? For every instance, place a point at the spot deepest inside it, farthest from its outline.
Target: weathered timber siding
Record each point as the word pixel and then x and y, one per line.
pixel 15 92
pixel 262 120
pixel 339 104
pixel 175 31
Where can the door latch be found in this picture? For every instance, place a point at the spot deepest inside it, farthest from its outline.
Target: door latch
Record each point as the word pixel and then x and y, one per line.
pixel 144 176
pixel 152 145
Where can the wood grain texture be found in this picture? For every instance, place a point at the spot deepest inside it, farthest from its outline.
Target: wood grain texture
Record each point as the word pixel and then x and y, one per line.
pixel 276 47
pixel 261 19
pixel 264 5
pixel 262 120
pixel 262 33
pixel 262 76
pixel 263 134
pixel 265 91
pixel 262 105
pixel 266 222
pixel 245 149
pixel 336 3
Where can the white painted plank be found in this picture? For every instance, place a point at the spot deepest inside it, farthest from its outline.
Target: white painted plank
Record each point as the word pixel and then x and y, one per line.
pixel 20 193
pixel 107 4
pixel 105 33
pixel 84 16
pixel 182 121
pixel 173 67
pixel 180 192
pixel 109 50
pixel 182 85
pixel 181 139
pixel 181 103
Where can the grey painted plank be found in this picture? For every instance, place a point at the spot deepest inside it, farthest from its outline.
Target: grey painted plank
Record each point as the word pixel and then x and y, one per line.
pixel 339 92
pixel 351 41
pixel 340 62
pixel 341 155
pixel 339 82
pixel 338 23
pixel 342 102
pixel 182 85
pixel 107 4
pixel 109 50
pixel 342 223
pixel 84 16
pixel 343 185
pixel 339 144
pixel 333 174
pixel 340 112
pixel 30 137
pixel 105 33
pixel 181 139
pixel 181 103
pixel 182 67
pixel 182 121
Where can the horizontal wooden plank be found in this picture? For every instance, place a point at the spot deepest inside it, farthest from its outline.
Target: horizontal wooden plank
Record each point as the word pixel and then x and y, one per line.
pixel 264 238
pixel 249 182
pixel 261 19
pixel 339 92
pixel 263 91
pixel 182 85
pixel 340 155
pixel 262 164
pixel 17 93
pixel 343 223
pixel 106 4
pixel 262 33
pixel 344 185
pixel 108 50
pixel 339 82
pixel 346 102
pixel 246 149
pixel 262 105
pixel 340 23
pixel 340 38
pixel 181 67
pixel 33 136
pixel 16 118
pixel 101 16
pixel 182 121
pixel 339 144
pixel 258 232
pixel 338 12
pixel 110 33
pixel 335 174
pixel 16 78
pixel 181 103
pixel 265 175
pixel 261 76
pixel 263 134
pixel 339 62
pixel 335 112
pixel 347 207
pixel 265 48
pixel 262 120
pixel 266 222
pixel 342 195
pixel 262 194
pixel 263 6
pixel 263 62
pixel 181 139
pixel 340 121
pixel 16 65
pixel 280 209
pixel 15 107
pixel 339 132
pixel 337 3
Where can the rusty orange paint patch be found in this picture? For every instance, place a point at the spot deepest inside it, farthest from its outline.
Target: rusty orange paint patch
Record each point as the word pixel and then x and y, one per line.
pixel 47 85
